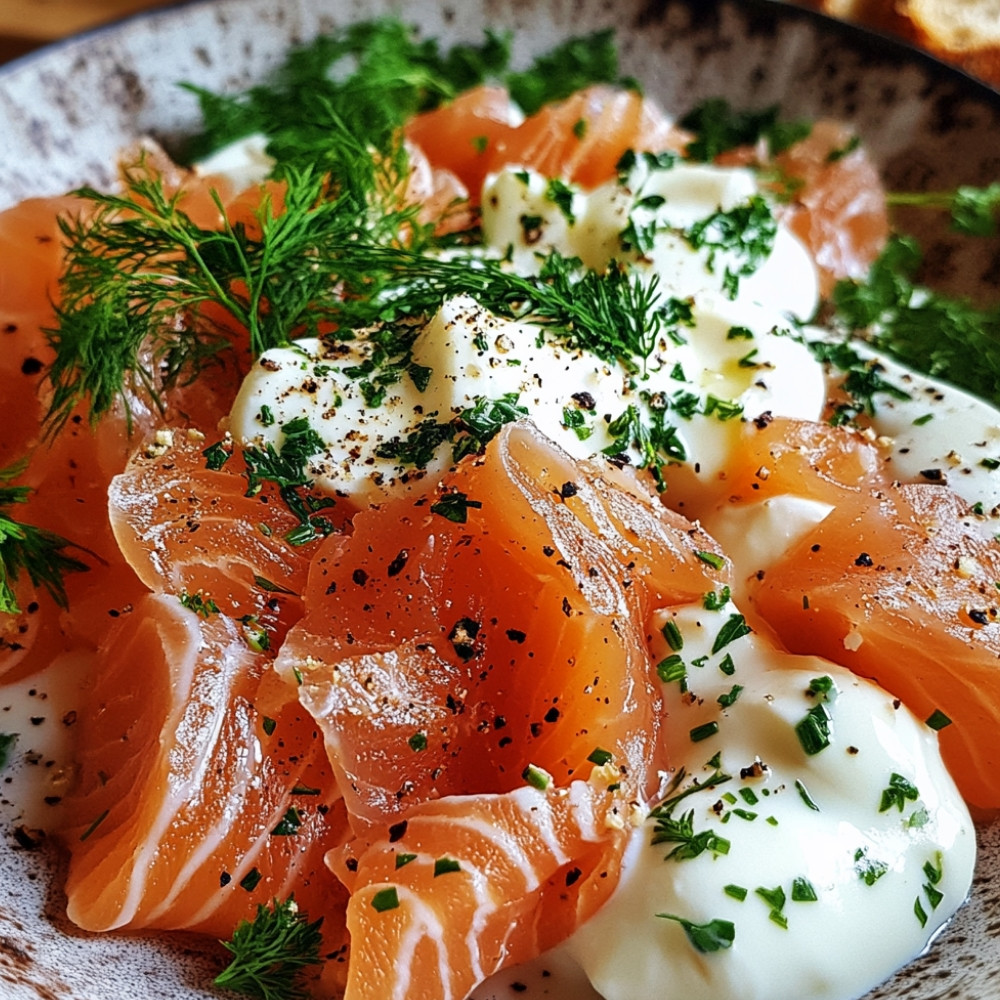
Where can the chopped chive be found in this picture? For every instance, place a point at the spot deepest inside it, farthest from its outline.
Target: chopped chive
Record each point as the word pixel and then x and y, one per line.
pixel 727 666
pixel 385 899
pixel 713 560
pixel 270 586
pixel 269 725
pixel 93 826
pixel 704 732
pixel 921 914
pixel 417 742
pixel 404 859
pixel 251 880
pixel 672 633
pixel 937 720
pixel 814 730
pixel 600 757
pixel 749 796
pixel 803 890
pixel 445 866
pixel 673 668
pixel 805 796
pixel 536 777
pixel 736 891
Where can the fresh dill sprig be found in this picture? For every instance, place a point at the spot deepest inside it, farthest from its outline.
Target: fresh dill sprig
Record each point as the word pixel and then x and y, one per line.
pixel 368 79
pixel 944 337
pixel 140 274
pixel 612 314
pixel 29 549
pixel 975 211
pixel 569 67
pixel 371 77
pixel 271 952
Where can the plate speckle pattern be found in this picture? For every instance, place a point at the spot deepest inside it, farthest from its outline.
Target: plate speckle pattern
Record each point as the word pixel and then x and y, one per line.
pixel 65 112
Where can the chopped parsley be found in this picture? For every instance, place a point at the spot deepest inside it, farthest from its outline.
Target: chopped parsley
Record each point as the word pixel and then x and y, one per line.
pixel 898 793
pixel 199 604
pixel 868 869
pixel 385 899
pixel 734 628
pixel 747 231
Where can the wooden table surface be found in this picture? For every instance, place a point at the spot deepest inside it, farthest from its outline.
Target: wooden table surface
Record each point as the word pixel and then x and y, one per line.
pixel 29 24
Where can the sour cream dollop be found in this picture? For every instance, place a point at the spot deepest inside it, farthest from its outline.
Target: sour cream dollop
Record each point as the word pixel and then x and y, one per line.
pixel 831 867
pixel 733 356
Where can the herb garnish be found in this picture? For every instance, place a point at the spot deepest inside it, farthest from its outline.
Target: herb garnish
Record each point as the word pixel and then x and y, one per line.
pixel 720 127
pixel 716 935
pixel 689 844
pixel 7 741
pixel 271 952
pixel 930 333
pixel 29 549
pixel 898 793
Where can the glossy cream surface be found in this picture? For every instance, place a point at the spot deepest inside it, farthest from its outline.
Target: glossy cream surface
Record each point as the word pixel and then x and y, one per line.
pixel 794 824
pixel 736 357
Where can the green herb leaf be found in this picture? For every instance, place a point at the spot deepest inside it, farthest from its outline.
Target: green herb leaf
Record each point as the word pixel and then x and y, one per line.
pixel 716 935
pixel 271 952
pixel 689 844
pixel 898 793
pixel 7 741
pixel 28 549
pixel 719 127
pixel 944 337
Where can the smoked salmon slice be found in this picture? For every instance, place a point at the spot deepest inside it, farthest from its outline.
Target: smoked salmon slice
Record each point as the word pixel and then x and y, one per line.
pixel 901 586
pixel 462 643
pixel 473 883
pixel 187 528
pixel 203 787
pixel 580 139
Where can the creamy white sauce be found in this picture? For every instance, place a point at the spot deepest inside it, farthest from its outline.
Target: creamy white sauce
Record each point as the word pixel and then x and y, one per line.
pixel 941 434
pixel 775 837
pixel 737 357
pixel 627 951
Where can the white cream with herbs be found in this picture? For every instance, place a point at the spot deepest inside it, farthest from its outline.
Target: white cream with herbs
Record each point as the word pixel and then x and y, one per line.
pixel 825 826
pixel 721 347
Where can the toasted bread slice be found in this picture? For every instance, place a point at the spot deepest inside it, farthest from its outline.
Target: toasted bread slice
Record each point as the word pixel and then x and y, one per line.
pixel 963 32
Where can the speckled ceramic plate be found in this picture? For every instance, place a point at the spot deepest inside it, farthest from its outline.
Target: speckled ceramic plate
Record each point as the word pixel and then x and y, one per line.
pixel 64 113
